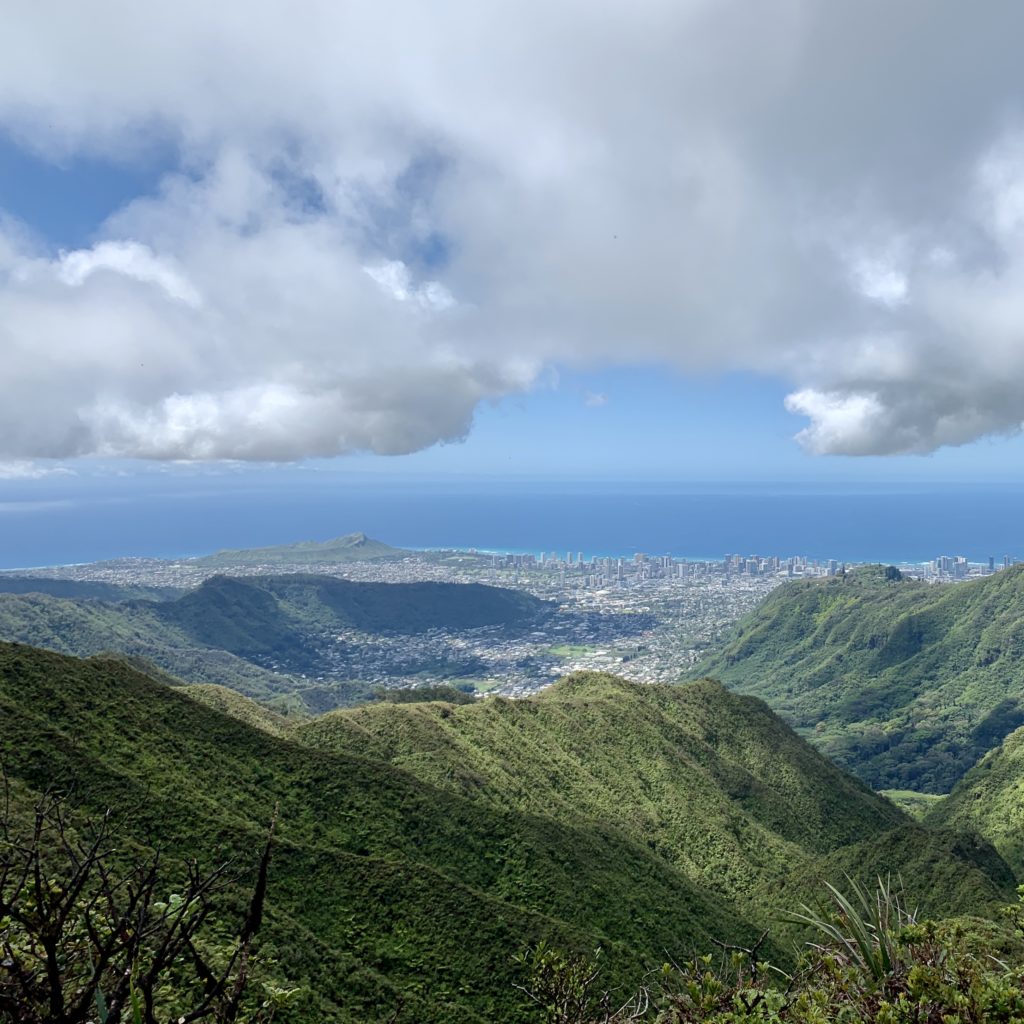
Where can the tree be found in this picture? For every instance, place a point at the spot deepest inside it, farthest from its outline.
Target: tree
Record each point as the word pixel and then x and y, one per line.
pixel 88 934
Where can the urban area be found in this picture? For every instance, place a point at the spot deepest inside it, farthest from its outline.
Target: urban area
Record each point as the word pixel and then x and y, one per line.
pixel 645 617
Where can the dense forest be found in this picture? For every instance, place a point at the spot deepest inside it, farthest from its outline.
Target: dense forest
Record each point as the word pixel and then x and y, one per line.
pixel 425 852
pixel 905 684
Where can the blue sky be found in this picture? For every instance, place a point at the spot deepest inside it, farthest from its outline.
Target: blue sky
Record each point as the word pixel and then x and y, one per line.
pixel 352 246
pixel 626 423
pixel 64 201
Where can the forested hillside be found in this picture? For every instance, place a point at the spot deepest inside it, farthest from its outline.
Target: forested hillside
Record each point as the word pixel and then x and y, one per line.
pixel 990 800
pixel 716 783
pixel 16 583
pixel 903 683
pixel 257 634
pixel 411 865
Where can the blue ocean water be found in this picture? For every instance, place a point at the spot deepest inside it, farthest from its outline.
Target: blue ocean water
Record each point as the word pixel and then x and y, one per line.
pixel 73 520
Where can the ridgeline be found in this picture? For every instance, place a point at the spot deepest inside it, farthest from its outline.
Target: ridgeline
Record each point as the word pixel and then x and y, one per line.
pixel 258 634
pixel 353 547
pixel 904 684
pixel 421 846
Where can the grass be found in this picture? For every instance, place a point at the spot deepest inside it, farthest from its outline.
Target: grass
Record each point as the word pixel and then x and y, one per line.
pixel 571 650
pixel 917 805
pixel 715 783
pixel 422 845
pixel 481 685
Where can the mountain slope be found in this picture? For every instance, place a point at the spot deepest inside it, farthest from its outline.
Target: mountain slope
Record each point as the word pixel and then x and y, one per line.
pixel 12 583
pixel 354 547
pixel 715 783
pixel 232 703
pixel 903 683
pixel 990 800
pixel 383 886
pixel 256 633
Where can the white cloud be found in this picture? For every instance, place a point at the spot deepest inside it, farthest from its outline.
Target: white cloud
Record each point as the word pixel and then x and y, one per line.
pixel 879 279
pixel 595 400
pixel 395 279
pixel 130 260
pixel 840 423
pixel 385 215
pixel 25 469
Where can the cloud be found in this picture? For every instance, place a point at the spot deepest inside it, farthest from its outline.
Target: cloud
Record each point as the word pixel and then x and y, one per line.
pixel 381 217
pixel 130 260
pixel 23 469
pixel 594 400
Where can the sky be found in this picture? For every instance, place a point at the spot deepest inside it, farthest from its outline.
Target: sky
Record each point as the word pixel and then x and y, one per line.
pixel 686 240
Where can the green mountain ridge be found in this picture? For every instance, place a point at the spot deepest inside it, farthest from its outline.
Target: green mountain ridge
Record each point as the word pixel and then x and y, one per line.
pixel 237 706
pixel 257 634
pixel 17 583
pixel 397 880
pixel 717 783
pixel 990 800
pixel 905 684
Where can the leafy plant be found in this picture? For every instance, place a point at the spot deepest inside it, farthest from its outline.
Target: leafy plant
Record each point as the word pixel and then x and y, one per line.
pixel 874 963
pixel 83 930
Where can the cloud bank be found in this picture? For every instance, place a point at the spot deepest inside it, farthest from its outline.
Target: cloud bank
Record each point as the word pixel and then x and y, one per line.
pixel 381 216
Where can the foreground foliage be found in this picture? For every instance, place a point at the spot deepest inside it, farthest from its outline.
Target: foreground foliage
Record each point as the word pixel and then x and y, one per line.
pixel 633 818
pixel 85 934
pixel 871 962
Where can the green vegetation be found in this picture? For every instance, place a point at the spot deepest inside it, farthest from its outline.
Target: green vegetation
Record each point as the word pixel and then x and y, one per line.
pixel 82 589
pixel 917 805
pixel 903 683
pixel 871 960
pixel 425 694
pixel 258 634
pixel 420 845
pixel 571 650
pixel 92 931
pixel 990 801
pixel 385 890
pixel 717 785
pixel 245 709
pixel 354 547
pixel 479 685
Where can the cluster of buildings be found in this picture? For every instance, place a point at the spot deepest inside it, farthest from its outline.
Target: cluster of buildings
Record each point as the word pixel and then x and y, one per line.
pixel 646 617
pixel 575 570
pixel 957 567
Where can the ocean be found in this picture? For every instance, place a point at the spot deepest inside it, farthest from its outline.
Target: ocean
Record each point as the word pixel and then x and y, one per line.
pixel 70 520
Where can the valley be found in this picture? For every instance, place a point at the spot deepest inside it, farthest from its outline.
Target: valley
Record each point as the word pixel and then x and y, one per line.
pixel 369 703
pixel 907 685
pixel 653 627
